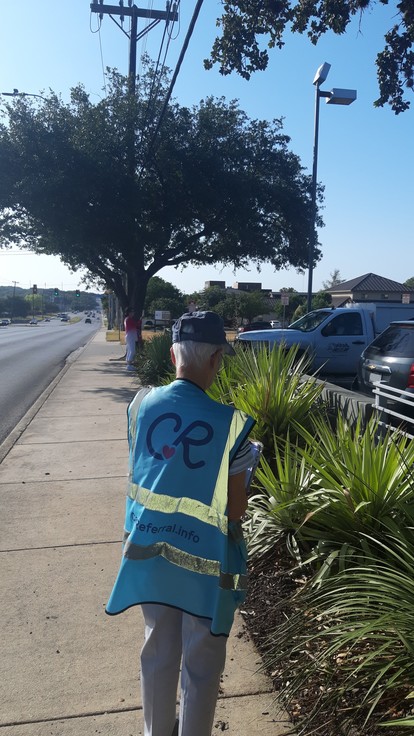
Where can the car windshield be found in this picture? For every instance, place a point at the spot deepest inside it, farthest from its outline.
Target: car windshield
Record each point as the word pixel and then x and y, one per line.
pixel 310 321
pixel 397 340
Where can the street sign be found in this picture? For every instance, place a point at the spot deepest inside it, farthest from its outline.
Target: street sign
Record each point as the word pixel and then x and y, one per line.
pixel 284 299
pixel 405 298
pixel 162 316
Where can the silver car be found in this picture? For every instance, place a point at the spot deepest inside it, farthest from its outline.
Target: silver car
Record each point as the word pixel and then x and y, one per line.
pixel 389 359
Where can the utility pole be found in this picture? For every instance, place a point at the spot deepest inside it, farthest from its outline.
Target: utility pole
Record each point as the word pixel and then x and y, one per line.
pixel 155 16
pixel 14 294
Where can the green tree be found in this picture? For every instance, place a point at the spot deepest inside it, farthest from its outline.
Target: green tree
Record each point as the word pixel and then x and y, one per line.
pixel 167 304
pixel 164 296
pixel 231 306
pixel 409 284
pixel 297 305
pixel 50 307
pixel 84 181
pixel 17 307
pixel 321 299
pixel 35 303
pixel 81 303
pixel 225 303
pixel 245 22
pixel 228 309
pixel 334 279
pixel 252 304
pixel 209 298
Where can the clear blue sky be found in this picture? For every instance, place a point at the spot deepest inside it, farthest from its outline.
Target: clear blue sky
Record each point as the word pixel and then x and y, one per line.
pixel 366 155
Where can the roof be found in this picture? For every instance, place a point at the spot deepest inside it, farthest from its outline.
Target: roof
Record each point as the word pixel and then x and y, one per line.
pixel 339 301
pixel 369 282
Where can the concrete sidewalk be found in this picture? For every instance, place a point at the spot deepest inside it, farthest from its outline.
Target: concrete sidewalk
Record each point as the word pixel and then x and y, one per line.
pixel 67 669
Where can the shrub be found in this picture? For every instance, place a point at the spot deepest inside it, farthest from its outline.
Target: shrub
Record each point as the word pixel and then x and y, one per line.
pixel 152 361
pixel 273 388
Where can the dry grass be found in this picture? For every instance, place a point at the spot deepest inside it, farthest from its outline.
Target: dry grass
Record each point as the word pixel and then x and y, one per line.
pixel 119 336
pixel 115 336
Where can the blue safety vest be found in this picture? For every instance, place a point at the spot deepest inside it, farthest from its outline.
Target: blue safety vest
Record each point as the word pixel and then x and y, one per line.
pixel 180 549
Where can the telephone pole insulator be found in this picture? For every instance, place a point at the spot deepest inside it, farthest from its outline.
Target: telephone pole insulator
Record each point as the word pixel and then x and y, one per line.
pixel 134 13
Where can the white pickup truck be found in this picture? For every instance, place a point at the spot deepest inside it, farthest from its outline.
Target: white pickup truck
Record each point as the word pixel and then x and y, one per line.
pixel 335 338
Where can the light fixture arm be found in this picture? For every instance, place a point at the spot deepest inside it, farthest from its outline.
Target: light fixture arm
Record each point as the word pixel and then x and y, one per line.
pixel 312 233
pixel 16 93
pixel 335 97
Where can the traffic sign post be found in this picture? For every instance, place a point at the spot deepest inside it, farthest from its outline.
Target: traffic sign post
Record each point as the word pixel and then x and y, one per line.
pixel 284 299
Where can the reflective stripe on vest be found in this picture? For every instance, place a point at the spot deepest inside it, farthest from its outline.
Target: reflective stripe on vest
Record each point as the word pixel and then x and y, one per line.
pixel 200 565
pixel 219 500
pixel 172 505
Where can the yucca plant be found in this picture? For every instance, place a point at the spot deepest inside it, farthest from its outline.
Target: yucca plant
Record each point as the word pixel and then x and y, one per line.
pixel 281 501
pixel 153 362
pixel 272 387
pixel 324 492
pixel 354 636
pixel 360 482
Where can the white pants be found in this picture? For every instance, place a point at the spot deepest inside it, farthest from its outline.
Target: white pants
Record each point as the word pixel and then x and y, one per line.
pixel 169 636
pixel 130 342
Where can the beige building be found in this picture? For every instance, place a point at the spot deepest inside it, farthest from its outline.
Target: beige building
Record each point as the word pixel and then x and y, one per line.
pixel 369 288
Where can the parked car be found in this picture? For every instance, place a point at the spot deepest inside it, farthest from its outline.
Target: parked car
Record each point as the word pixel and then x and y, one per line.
pixel 334 338
pixel 4 322
pixel 33 322
pixel 389 359
pixel 255 326
pixel 276 323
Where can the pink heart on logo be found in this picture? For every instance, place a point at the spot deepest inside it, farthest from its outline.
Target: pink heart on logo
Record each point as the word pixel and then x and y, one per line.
pixel 168 451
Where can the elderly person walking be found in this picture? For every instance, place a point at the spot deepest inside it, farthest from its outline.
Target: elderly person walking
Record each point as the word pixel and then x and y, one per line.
pixel 184 557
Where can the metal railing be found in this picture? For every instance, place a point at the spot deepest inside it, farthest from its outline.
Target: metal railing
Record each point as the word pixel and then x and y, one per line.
pixel 390 417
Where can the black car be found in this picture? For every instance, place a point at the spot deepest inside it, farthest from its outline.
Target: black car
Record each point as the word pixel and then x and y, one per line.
pixel 255 326
pixel 390 359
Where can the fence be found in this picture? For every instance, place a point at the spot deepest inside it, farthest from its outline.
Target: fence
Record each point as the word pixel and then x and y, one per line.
pixel 395 408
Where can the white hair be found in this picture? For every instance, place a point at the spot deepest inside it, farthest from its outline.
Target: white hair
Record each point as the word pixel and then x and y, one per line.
pixel 193 354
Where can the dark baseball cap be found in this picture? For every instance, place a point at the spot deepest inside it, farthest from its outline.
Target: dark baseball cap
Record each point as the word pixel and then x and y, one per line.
pixel 205 327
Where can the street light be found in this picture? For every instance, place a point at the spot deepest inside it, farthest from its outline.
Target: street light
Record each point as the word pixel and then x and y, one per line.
pixel 16 93
pixel 335 97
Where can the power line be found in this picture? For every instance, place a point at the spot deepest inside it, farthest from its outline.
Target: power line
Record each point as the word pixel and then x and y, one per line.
pixel 144 40
pixel 132 12
pixel 175 75
pixel 152 95
pixel 98 31
pixel 102 61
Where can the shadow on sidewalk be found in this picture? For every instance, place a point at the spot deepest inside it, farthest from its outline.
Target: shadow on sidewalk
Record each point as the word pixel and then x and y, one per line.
pixel 124 395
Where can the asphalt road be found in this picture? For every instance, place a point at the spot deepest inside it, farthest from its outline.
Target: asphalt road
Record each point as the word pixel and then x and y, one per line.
pixel 30 357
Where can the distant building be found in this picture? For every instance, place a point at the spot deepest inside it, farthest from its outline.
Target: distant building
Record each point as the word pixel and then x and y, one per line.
pixel 220 284
pixel 369 288
pixel 247 286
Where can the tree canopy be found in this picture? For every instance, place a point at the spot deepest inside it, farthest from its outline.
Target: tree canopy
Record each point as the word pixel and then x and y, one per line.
pixel 409 283
pixel 244 23
pixel 164 296
pixel 232 306
pixel 84 181
pixel 335 278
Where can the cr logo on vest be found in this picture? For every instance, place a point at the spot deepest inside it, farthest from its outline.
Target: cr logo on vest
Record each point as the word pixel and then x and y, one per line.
pixel 194 435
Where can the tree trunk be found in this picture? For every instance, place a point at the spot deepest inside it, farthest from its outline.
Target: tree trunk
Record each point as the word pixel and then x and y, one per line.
pixel 137 289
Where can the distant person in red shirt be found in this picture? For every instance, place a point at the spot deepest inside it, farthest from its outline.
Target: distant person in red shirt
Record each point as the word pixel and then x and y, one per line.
pixel 132 336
